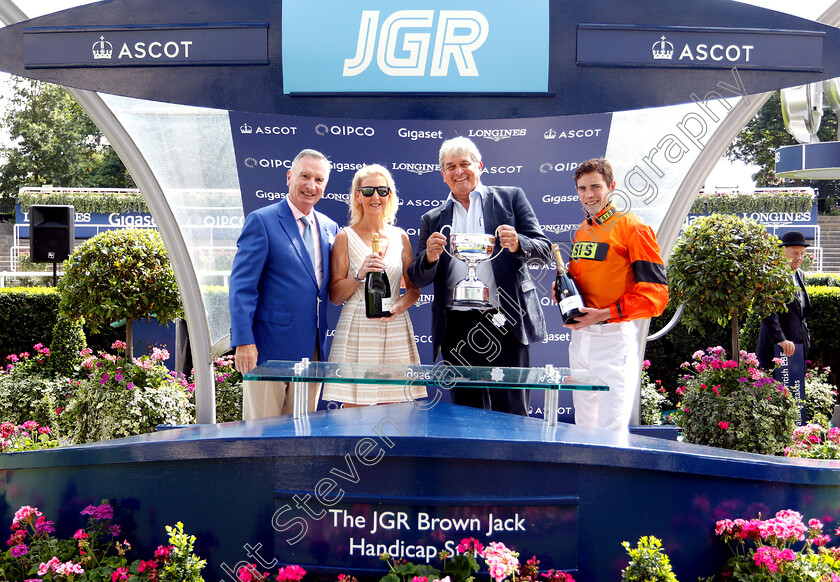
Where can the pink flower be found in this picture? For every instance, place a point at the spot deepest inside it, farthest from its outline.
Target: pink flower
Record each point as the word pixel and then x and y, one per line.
pixel 80 535
pixel 119 574
pixel 249 573
pixel 119 345
pixel 26 514
pixel 723 424
pixel 44 526
pixel 130 385
pixel 471 545
pixel 19 550
pixel 420 579
pixel 144 565
pixel 291 574
pixel 501 561
pixel 45 567
pixel 70 568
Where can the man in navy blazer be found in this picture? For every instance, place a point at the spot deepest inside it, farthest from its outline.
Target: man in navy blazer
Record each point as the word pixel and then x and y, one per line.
pixel 278 286
pixel 789 328
pixel 499 336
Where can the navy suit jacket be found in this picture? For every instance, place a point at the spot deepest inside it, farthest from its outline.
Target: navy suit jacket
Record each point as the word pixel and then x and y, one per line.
pixel 519 295
pixel 275 301
pixel 791 325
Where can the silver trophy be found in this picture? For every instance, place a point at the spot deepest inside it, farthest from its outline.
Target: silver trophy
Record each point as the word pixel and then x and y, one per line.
pixel 472 248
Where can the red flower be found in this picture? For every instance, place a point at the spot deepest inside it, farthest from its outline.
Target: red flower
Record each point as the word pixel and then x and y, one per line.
pixel 723 424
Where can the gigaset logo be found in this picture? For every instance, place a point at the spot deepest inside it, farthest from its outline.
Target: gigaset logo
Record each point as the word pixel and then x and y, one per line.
pixel 459 33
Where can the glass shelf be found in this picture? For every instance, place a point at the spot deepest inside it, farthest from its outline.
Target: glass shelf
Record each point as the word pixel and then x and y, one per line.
pixel 440 375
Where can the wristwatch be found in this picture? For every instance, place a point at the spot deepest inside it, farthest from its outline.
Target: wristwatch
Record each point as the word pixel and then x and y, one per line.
pixel 356 276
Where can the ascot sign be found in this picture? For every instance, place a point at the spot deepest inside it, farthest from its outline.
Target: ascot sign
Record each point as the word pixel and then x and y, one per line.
pixel 617 45
pixel 172 45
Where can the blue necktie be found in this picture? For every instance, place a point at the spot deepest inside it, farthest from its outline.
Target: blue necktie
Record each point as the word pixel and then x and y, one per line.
pixel 308 241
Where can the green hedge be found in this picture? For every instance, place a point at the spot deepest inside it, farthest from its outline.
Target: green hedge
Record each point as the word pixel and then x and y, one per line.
pixel 28 317
pixel 102 202
pixel 758 202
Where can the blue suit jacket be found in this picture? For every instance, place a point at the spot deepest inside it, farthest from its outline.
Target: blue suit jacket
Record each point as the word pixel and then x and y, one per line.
pixel 519 293
pixel 275 301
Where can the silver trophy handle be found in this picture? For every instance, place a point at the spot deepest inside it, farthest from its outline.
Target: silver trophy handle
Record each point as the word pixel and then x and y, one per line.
pixel 448 239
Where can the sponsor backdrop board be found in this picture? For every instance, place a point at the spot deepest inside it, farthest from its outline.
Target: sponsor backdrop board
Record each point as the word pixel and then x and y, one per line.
pixel 537 154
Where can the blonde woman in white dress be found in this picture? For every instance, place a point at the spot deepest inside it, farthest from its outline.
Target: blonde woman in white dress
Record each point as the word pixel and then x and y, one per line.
pixel 389 340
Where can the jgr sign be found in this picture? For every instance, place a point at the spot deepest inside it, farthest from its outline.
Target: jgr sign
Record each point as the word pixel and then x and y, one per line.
pixel 459 33
pixel 427 47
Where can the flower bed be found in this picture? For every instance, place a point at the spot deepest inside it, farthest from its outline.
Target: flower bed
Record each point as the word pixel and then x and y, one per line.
pixel 733 404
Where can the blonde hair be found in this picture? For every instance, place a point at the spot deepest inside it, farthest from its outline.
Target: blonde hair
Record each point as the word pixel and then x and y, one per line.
pixel 392 203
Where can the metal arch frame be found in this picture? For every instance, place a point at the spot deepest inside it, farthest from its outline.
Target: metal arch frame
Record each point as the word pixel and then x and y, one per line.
pixel 131 156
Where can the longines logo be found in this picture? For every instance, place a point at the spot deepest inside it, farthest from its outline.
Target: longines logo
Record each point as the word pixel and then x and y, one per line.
pixel 246 129
pixel 458 35
pixel 548 167
pixel 104 50
pixel 497 134
pixel 418 169
pixel 663 50
pixel 361 131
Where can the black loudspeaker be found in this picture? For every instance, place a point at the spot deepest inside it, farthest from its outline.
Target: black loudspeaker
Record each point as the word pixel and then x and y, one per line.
pixel 52 232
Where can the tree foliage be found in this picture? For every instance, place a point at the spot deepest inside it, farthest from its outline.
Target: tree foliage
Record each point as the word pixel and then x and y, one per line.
pixel 722 266
pixel 765 133
pixel 120 274
pixel 55 142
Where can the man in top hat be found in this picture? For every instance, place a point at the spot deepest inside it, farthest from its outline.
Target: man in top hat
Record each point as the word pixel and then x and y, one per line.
pixel 790 328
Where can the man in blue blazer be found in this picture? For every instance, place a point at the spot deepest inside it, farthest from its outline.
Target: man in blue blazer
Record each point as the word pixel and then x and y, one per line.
pixel 278 286
pixel 499 336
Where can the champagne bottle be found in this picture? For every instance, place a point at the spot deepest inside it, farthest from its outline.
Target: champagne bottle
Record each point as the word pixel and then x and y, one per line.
pixel 568 297
pixel 377 289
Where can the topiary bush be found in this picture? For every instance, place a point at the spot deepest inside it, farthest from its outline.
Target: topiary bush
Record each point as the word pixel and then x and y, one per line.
pixel 722 266
pixel 120 274
pixel 119 397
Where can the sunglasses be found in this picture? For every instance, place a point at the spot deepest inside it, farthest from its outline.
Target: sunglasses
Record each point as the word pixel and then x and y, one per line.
pixel 368 191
